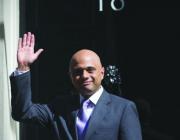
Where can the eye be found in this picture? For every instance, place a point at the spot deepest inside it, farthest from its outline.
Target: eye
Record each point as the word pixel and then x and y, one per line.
pixel 90 69
pixel 77 72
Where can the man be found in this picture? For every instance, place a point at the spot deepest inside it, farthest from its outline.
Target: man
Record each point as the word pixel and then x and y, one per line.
pixel 107 117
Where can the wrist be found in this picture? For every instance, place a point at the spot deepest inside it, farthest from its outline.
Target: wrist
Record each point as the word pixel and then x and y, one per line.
pixel 23 68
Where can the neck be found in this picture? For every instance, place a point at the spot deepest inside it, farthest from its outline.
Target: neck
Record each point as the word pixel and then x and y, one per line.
pixel 87 95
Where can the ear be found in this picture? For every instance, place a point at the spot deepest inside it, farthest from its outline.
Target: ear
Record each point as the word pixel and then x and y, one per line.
pixel 102 72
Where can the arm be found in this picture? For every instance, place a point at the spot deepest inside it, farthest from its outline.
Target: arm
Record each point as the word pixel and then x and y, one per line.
pixel 130 126
pixel 22 107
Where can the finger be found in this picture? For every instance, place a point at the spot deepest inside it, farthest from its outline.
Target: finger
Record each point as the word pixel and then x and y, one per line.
pixel 38 52
pixel 24 40
pixel 32 41
pixel 20 43
pixel 28 39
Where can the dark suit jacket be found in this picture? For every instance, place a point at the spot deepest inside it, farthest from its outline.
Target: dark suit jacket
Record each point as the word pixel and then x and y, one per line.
pixel 114 118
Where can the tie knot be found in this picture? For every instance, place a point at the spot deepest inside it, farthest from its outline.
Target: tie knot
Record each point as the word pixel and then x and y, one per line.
pixel 88 104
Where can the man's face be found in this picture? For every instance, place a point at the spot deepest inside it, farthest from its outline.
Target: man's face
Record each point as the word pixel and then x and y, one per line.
pixel 86 75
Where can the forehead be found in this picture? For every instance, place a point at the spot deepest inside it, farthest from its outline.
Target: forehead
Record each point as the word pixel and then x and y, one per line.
pixel 84 62
pixel 84 59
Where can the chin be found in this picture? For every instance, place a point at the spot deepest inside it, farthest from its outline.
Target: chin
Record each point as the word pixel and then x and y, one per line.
pixel 86 92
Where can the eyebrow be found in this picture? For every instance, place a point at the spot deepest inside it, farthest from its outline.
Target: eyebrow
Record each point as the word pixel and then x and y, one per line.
pixel 89 68
pixel 86 68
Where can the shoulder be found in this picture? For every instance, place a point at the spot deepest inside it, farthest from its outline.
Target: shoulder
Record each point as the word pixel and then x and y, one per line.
pixel 117 100
pixel 119 105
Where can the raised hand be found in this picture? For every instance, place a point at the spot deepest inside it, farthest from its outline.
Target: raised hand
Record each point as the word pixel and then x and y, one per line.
pixel 25 52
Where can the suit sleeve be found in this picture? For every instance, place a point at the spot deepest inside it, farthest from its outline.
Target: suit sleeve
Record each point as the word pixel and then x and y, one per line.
pixel 130 125
pixel 23 109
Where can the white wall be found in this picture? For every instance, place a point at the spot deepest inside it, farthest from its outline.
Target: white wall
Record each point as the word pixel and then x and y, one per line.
pixel 9 32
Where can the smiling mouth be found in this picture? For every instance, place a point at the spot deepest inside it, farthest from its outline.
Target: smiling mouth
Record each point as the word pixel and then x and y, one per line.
pixel 86 83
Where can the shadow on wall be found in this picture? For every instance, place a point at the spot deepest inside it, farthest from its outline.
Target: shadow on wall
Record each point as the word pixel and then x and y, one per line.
pixel 2 30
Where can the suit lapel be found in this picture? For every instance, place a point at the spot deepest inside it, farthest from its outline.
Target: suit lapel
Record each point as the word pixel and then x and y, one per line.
pixel 100 111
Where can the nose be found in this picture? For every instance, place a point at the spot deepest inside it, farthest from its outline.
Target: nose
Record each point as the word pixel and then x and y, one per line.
pixel 85 74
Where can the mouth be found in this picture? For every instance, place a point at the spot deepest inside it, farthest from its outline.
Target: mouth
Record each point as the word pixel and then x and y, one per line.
pixel 86 83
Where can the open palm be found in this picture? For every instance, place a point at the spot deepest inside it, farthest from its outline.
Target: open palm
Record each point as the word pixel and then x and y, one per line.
pixel 25 53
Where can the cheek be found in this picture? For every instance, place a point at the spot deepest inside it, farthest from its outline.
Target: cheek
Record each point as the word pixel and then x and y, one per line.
pixel 98 78
pixel 76 80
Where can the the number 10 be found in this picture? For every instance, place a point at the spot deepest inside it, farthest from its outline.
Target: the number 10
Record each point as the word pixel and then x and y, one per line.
pixel 112 5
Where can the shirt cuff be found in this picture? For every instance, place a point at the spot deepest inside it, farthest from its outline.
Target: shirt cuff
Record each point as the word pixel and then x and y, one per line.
pixel 18 72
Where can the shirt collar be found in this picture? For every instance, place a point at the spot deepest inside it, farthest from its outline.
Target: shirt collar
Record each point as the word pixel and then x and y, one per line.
pixel 95 97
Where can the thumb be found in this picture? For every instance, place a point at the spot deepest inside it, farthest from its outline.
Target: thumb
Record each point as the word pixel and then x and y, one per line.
pixel 39 52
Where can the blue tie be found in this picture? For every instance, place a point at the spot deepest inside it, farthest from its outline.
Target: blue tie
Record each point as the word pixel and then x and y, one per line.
pixel 83 117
